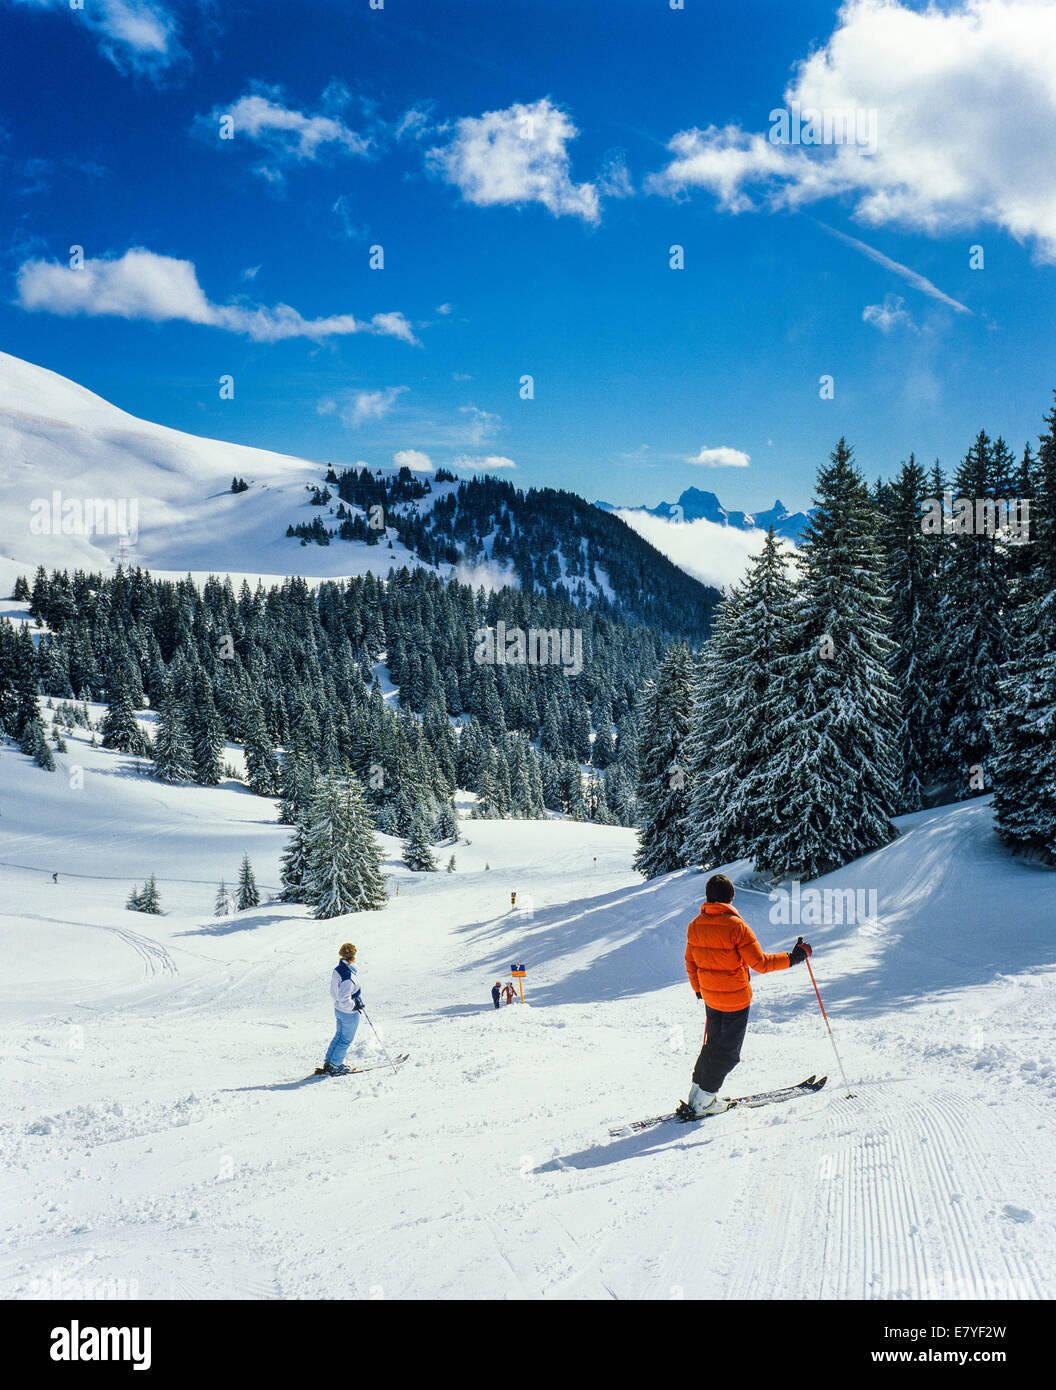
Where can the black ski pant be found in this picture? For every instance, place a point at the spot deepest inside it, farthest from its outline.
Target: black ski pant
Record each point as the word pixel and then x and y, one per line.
pixel 723 1037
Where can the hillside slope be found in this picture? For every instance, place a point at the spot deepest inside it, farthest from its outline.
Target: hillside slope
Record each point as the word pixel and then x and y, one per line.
pixel 62 446
pixel 160 1129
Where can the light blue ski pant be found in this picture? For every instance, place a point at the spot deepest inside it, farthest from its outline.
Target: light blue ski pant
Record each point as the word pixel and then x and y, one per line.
pixel 343 1038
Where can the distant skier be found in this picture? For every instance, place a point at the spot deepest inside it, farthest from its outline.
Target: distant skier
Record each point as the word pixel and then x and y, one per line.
pixel 508 992
pixel 720 948
pixel 54 878
pixel 348 1004
pixel 496 991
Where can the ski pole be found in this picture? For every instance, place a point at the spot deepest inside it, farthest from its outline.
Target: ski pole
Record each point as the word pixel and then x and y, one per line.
pixel 825 1016
pixel 388 1059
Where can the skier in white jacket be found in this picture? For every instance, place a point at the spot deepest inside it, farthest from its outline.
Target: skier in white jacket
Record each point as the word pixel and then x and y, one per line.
pixel 348 1004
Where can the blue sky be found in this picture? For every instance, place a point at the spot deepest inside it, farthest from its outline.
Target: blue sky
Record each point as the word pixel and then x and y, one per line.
pixel 526 167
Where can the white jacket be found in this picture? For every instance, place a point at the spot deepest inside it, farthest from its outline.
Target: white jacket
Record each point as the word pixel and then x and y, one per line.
pixel 344 987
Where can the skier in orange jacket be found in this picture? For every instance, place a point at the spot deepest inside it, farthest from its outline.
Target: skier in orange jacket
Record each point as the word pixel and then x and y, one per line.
pixel 720 949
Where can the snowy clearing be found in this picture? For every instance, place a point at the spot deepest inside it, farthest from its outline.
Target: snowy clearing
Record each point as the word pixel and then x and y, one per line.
pixel 160 1128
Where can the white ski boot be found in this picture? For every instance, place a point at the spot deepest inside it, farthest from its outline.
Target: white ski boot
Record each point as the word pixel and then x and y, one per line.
pixel 701 1103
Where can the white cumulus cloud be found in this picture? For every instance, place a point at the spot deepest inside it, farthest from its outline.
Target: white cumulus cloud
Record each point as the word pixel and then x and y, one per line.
pixel 413 459
pixel 721 457
pixel 143 285
pixel 516 156
pixel 964 96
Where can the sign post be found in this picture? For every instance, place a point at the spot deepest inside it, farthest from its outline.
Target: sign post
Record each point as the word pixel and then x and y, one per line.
pixel 518 972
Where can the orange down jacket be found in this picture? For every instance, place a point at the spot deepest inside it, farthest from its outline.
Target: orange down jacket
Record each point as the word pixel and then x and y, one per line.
pixel 720 946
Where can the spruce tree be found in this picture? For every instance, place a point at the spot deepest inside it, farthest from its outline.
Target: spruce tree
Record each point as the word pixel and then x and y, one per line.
pixel 248 896
pixel 446 827
pixel 1023 720
pixel 294 867
pixel 222 906
pixel 664 788
pixel 262 767
pixel 731 742
pixel 417 853
pixel 343 864
pixel 173 760
pixel 38 745
pixel 974 642
pixel 118 725
pixel 206 734
pixel 830 779
pixel 149 898
pixel 909 577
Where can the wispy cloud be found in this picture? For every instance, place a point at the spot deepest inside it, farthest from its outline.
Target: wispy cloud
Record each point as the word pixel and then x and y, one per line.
pixel 140 36
pixel 357 408
pixel 487 464
pixel 286 135
pixel 919 282
pixel 891 314
pixel 143 285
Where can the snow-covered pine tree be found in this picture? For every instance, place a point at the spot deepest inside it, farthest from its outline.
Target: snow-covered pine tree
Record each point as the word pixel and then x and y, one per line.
pixel 731 742
pixel 1023 720
pixel 118 725
pixel 206 733
pixel 664 788
pixel 150 898
pixel 261 763
pixel 248 894
pixel 909 577
pixel 222 906
pixel 296 781
pixel 294 867
pixel 446 827
pixel 173 761
pixel 486 806
pixel 417 852
pixel 342 858
pixel 35 744
pixel 832 779
pixel 973 644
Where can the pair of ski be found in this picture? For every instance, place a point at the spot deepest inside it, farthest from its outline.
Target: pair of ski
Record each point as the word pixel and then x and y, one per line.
pixel 804 1088
pixel 358 1071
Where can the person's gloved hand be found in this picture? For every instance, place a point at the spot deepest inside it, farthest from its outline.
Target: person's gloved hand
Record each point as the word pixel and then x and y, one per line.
pixel 358 1005
pixel 697 993
pixel 800 951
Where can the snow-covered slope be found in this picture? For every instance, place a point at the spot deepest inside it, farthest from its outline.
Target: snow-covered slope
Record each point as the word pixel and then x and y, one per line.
pixel 158 1128
pixel 57 436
